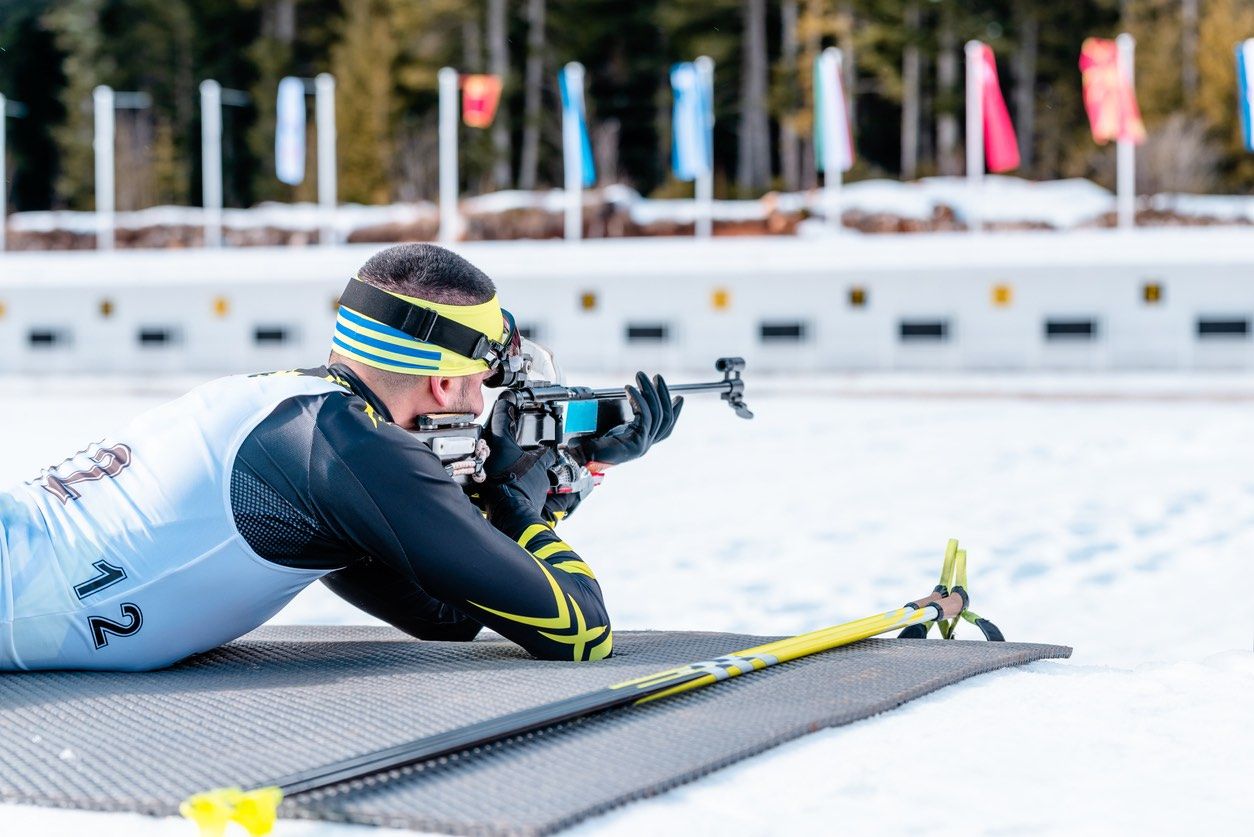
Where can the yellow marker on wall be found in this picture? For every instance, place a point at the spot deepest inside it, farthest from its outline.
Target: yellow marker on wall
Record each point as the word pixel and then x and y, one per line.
pixel 1152 293
pixel 1003 296
pixel 588 301
pixel 720 299
pixel 106 308
pixel 221 306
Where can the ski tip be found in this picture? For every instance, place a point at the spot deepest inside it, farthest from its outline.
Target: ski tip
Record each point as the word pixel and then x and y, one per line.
pixel 212 810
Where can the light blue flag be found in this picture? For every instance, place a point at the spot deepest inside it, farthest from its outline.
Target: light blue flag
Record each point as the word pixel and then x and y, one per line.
pixel 570 84
pixel 833 146
pixel 1245 90
pixel 289 131
pixel 691 120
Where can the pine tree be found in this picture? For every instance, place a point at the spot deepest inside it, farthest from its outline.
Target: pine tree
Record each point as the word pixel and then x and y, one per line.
pixel 30 74
pixel 753 164
pixel 533 92
pixel 1156 26
pixel 498 65
pixel 77 33
pixel 821 24
pixel 271 54
pixel 362 62
pixel 1222 24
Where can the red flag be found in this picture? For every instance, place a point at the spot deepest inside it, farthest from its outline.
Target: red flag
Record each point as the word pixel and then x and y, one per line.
pixel 480 95
pixel 1001 148
pixel 1108 98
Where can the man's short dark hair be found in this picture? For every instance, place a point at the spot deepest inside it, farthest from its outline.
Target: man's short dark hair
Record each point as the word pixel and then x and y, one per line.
pixel 429 272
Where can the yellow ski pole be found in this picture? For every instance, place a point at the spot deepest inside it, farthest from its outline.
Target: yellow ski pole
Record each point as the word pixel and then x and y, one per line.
pixel 256 809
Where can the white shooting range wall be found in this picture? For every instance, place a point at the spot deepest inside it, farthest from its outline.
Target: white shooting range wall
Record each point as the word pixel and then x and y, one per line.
pixel 1158 299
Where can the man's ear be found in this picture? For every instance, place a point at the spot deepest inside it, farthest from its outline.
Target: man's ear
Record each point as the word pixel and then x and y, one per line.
pixel 441 389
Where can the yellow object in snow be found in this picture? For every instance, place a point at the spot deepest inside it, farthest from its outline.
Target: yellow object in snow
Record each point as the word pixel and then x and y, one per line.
pixel 255 810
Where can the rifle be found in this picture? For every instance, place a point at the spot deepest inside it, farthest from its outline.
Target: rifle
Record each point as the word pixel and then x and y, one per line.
pixel 552 414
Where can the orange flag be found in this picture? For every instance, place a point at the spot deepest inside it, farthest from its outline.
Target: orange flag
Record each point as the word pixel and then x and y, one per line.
pixel 480 95
pixel 1108 98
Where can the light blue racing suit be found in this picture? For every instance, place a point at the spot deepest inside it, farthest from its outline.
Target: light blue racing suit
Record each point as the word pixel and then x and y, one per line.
pixel 126 556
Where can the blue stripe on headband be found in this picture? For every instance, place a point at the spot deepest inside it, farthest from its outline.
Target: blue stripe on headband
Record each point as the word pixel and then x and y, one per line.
pixel 354 352
pixel 408 351
pixel 357 319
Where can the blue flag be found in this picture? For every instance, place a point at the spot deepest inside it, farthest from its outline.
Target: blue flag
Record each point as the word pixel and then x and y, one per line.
pixel 570 84
pixel 1245 90
pixel 691 121
pixel 289 131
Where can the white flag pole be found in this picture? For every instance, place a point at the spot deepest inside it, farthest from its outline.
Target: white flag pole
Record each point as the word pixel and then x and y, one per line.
pixel 572 145
pixel 211 160
pixel 975 137
pixel 4 185
pixel 449 222
pixel 324 107
pixel 704 187
pixel 1125 150
pixel 102 101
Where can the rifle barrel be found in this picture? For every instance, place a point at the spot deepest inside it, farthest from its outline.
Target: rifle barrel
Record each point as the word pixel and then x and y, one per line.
pixel 612 393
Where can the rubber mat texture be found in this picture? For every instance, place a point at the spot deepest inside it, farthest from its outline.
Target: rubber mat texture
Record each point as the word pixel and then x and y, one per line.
pixel 285 699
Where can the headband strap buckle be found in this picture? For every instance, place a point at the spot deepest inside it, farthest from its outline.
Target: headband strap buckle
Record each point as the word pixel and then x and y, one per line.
pixel 419 323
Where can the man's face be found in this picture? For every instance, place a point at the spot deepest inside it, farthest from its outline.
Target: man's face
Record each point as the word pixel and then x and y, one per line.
pixel 469 394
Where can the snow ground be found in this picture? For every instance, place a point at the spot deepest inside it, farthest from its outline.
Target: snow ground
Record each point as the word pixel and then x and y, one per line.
pixel 1111 513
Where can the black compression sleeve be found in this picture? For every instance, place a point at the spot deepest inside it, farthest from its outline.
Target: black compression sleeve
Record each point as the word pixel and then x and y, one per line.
pixel 398 600
pixel 383 493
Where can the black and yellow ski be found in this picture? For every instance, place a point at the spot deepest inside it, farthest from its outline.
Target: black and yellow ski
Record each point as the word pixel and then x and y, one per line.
pixel 255 809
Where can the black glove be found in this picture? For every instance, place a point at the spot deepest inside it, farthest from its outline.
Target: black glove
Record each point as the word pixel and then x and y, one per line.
pixel 558 507
pixel 515 476
pixel 655 418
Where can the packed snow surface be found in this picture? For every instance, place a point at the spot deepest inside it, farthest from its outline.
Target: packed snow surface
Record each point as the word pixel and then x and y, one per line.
pixel 1114 514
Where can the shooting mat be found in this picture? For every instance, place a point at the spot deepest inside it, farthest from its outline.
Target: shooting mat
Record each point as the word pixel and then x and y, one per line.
pixel 287 699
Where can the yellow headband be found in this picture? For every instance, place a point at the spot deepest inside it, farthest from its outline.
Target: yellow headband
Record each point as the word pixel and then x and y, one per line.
pixel 379 345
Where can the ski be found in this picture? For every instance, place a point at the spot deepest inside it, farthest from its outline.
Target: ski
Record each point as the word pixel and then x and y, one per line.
pixel 255 808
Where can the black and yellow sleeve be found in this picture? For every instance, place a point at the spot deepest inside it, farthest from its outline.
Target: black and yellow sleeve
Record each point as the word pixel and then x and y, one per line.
pixel 388 497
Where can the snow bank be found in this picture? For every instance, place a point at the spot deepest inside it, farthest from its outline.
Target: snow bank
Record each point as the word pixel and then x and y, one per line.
pixel 1060 203
pixel 1233 208
pixel 287 216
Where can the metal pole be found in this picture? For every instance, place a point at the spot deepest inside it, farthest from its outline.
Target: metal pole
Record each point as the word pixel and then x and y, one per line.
pixel 705 180
pixel 833 183
pixel 4 184
pixel 324 107
pixel 975 136
pixel 102 99
pixel 211 160
pixel 572 144
pixel 449 222
pixel 1125 151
